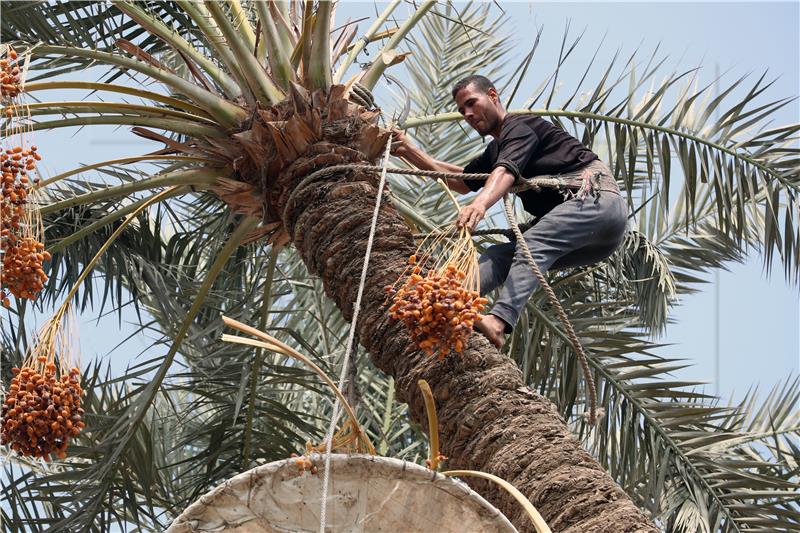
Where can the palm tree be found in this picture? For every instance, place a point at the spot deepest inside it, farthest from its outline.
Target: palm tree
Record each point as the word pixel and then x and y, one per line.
pixel 257 100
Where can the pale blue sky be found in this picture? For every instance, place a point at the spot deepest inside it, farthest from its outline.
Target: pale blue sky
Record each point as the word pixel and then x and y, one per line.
pixel 760 337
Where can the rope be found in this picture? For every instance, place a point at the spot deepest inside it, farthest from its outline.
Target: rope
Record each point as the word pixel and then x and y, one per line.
pixel 508 233
pixel 350 339
pixel 508 206
pixel 537 183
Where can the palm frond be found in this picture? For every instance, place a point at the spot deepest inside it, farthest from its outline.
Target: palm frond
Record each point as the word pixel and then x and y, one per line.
pixel 642 273
pixel 673 448
pixel 89 25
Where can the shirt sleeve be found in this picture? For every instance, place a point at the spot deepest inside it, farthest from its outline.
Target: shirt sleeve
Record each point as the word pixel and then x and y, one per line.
pixel 480 165
pixel 518 142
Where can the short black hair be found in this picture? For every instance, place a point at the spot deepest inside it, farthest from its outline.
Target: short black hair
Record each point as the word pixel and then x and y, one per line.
pixel 482 83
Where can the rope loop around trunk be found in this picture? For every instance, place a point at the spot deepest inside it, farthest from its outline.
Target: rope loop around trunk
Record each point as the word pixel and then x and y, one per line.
pixel 535 183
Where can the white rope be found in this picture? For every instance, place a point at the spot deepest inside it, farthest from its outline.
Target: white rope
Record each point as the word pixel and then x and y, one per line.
pixel 350 339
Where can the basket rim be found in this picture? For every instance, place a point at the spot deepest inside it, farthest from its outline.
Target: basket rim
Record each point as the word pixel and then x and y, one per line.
pixel 381 466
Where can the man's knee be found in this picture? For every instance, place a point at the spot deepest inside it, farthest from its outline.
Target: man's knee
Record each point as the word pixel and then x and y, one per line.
pixel 544 253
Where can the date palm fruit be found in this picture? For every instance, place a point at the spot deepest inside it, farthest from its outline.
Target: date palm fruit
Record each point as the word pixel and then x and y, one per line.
pixel 42 409
pixel 22 251
pixel 440 308
pixel 10 80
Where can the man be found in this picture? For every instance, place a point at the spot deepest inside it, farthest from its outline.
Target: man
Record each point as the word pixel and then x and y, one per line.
pixel 582 227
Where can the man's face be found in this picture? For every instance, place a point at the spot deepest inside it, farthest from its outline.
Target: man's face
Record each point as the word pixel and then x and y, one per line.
pixel 479 109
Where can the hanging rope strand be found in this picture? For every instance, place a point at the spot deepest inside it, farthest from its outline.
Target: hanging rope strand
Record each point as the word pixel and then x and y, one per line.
pixel 350 338
pixel 508 206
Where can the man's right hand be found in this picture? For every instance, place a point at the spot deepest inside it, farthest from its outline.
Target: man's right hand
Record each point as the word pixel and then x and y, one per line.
pixel 470 216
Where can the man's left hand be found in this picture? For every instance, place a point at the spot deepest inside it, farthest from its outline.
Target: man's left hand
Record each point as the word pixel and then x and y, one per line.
pixel 470 216
pixel 401 146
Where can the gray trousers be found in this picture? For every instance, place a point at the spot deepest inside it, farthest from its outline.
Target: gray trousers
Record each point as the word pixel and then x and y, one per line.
pixel 575 233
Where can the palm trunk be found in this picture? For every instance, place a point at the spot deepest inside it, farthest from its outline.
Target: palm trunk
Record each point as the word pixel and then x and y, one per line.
pixel 489 419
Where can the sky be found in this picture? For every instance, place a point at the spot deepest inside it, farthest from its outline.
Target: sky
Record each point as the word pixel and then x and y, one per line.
pixel 758 316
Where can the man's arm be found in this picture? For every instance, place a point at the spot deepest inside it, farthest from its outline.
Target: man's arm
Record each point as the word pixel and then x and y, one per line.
pixel 516 145
pixel 405 149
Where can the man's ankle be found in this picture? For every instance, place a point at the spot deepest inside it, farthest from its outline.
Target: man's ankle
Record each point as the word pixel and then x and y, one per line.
pixel 506 327
pixel 493 327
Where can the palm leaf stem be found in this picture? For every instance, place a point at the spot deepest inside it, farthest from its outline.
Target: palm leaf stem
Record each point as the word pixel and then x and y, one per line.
pixel 255 372
pixel 302 50
pixel 156 27
pixel 242 24
pixel 415 122
pixel 178 126
pixel 199 176
pixel 319 66
pixel 279 12
pixel 362 42
pixel 200 16
pixel 277 54
pixel 383 34
pixel 66 107
pixel 120 161
pixel 228 114
pixel 112 217
pixel 264 90
pixel 409 213
pixel 110 87
pixel 378 66
pixel 282 7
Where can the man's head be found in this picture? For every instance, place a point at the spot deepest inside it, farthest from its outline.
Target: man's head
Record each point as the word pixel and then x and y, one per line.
pixel 478 102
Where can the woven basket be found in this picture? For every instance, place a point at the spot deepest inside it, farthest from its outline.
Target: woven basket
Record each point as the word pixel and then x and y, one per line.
pixel 366 494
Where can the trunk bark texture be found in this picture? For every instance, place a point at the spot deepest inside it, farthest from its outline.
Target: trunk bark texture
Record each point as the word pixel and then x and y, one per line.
pixel 489 420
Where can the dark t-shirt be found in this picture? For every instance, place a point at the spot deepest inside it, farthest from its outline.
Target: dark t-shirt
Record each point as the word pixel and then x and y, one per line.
pixel 531 146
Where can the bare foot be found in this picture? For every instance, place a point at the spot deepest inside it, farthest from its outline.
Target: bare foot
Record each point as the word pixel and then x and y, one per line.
pixel 493 328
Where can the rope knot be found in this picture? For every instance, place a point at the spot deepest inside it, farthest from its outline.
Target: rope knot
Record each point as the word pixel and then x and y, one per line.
pixel 590 185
